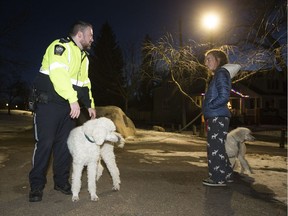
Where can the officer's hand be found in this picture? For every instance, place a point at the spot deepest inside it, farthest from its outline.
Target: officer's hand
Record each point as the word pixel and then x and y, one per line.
pixel 92 113
pixel 75 110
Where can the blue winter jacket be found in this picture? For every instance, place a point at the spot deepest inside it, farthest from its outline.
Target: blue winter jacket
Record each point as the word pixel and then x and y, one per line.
pixel 217 95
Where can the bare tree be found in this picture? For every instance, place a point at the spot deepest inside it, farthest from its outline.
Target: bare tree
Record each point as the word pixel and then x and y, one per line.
pixel 149 79
pixel 181 63
pixel 260 40
pixel 185 69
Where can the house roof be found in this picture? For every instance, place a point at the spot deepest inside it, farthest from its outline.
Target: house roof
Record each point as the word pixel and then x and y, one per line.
pixel 239 90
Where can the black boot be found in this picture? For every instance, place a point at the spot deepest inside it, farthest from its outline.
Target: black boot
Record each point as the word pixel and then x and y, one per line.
pixel 35 195
pixel 66 189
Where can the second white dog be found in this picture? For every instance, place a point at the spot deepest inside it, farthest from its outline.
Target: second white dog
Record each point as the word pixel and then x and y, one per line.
pixel 84 143
pixel 236 148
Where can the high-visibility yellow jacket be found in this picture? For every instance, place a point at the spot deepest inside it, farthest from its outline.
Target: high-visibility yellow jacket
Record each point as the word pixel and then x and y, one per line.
pixel 67 66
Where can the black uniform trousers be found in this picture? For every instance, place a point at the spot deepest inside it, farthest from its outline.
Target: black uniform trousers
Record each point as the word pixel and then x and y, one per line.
pixel 219 166
pixel 52 125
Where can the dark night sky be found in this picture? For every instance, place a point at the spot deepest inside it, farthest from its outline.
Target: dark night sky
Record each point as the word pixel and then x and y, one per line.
pixel 130 20
pixel 45 21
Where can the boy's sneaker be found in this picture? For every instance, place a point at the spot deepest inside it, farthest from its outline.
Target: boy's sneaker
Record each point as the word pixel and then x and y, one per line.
pixel 210 182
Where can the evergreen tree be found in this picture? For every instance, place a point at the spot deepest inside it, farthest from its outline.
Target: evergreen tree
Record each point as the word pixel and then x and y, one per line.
pixel 132 75
pixel 106 69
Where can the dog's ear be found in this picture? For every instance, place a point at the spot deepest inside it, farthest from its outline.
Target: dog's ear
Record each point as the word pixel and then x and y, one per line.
pixel 249 137
pixel 99 135
pixel 116 138
pixel 88 127
pixel 121 140
pixel 107 123
pixel 112 137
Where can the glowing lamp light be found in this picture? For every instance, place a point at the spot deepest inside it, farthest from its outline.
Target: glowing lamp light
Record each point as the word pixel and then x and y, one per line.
pixel 211 21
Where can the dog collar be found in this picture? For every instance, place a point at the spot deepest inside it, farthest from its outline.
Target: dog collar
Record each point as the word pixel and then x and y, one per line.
pixel 87 137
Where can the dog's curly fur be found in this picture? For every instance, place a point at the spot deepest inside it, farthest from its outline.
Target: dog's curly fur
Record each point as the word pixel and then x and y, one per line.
pixel 88 144
pixel 236 148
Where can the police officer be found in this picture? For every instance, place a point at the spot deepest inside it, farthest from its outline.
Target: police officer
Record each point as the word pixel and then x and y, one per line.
pixel 62 86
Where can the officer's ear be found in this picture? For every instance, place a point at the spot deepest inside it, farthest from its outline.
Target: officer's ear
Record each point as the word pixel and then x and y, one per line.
pixel 80 34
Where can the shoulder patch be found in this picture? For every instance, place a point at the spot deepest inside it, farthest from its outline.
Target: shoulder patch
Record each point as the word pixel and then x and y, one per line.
pixel 59 50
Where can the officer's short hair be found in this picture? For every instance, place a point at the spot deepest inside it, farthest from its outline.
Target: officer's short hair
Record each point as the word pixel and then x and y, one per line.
pixel 78 26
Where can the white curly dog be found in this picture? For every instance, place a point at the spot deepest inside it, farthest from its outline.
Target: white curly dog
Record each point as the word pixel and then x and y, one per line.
pixel 236 148
pixel 88 144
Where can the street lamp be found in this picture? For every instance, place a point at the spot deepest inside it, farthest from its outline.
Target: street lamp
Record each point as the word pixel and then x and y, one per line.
pixel 211 22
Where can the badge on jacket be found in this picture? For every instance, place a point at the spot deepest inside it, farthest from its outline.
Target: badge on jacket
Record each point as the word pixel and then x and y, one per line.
pixel 59 50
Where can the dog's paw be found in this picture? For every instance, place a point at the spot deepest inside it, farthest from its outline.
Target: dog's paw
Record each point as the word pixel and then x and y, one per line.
pixel 94 198
pixel 75 198
pixel 116 187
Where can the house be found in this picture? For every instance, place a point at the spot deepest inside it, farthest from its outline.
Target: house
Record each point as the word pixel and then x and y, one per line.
pixel 267 101
pixel 260 100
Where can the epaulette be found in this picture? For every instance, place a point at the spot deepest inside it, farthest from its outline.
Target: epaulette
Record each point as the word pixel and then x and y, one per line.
pixel 64 40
